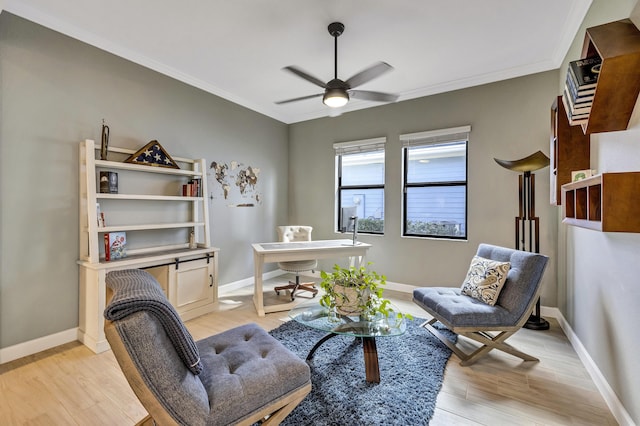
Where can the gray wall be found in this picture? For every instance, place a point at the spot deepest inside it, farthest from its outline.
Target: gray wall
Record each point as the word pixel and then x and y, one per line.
pixel 509 120
pixel 55 92
pixel 598 289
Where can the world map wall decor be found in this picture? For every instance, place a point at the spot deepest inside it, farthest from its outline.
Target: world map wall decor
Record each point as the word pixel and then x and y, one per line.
pixel 236 183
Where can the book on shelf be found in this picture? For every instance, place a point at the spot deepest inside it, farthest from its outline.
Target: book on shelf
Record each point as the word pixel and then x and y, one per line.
pixel 578 95
pixel 574 119
pixel 577 109
pixel 115 245
pixel 584 72
pixel 193 188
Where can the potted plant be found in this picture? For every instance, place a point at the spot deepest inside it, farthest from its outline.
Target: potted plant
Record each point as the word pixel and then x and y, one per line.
pixel 355 292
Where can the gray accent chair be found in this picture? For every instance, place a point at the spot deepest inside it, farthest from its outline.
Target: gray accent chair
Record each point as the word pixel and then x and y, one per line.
pixel 488 325
pixel 240 376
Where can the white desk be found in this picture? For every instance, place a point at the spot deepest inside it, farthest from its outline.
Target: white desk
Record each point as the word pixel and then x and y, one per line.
pixel 302 250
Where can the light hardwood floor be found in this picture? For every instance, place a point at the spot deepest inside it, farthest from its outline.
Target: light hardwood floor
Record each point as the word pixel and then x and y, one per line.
pixel 70 385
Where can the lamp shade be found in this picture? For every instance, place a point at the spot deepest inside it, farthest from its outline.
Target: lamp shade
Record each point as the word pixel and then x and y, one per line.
pixel 531 163
pixel 335 98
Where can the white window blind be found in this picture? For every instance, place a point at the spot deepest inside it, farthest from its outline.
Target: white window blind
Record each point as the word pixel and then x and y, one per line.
pixel 361 146
pixel 431 137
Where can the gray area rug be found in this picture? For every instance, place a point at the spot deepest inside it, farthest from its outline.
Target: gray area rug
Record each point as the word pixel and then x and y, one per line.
pixel 411 373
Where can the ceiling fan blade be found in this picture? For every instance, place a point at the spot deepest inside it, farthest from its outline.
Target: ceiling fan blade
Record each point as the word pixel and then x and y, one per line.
pixel 368 74
pixel 302 98
pixel 367 95
pixel 303 74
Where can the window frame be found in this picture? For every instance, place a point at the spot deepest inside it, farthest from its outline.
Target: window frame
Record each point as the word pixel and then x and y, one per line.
pixel 425 139
pixel 357 147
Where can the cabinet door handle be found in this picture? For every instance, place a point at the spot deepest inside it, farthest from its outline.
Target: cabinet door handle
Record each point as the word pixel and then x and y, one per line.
pixel 210 280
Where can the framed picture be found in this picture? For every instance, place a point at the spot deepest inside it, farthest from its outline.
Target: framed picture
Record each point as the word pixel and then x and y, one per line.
pixel 581 174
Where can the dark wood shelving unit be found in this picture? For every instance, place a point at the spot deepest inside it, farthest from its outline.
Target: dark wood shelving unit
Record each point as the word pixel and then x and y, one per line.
pixel 569 150
pixel 606 202
pixel 618 45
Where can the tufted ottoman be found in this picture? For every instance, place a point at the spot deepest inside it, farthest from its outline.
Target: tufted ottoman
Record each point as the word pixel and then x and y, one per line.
pixel 245 367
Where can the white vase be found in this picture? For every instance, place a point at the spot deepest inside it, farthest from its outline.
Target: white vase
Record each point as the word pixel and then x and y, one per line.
pixel 349 300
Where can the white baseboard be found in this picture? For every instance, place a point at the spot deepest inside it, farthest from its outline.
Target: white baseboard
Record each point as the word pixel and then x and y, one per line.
pixel 617 409
pixel 402 288
pixel 40 344
pixel 247 282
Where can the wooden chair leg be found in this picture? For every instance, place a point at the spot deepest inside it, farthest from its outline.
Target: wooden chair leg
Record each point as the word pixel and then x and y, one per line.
pixel 488 342
pixel 456 350
pixel 275 414
pixel 147 421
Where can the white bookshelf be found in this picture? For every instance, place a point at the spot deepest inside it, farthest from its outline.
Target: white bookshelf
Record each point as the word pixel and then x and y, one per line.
pixel 158 222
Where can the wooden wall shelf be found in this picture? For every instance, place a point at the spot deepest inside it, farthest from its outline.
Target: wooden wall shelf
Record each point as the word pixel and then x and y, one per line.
pixel 570 150
pixel 606 202
pixel 618 45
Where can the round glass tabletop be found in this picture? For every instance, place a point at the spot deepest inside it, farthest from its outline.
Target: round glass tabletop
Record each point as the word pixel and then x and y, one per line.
pixel 321 318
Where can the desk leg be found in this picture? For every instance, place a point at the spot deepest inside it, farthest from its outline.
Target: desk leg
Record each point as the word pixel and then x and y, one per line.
pixel 258 296
pixel 357 261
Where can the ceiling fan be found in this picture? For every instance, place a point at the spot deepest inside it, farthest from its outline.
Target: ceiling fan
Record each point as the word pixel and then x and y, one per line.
pixel 337 92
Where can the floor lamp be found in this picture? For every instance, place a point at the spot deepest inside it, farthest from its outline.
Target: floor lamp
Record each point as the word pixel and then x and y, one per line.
pixel 527 224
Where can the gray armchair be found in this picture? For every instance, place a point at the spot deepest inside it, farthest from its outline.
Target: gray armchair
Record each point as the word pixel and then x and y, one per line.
pixel 489 325
pixel 240 376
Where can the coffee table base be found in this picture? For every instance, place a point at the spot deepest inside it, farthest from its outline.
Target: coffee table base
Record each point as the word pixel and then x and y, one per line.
pixel 371 367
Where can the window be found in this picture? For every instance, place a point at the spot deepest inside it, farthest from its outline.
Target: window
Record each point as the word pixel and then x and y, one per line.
pixel 360 185
pixel 435 183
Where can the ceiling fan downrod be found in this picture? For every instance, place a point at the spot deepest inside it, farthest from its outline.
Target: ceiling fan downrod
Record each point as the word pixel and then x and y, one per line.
pixel 335 29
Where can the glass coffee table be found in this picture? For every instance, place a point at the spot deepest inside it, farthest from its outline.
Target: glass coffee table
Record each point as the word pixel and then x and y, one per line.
pixel 320 318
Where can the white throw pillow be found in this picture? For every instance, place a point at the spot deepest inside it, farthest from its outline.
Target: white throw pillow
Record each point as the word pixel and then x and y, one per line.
pixel 485 279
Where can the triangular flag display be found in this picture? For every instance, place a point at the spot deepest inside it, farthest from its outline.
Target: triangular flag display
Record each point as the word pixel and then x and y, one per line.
pixel 152 154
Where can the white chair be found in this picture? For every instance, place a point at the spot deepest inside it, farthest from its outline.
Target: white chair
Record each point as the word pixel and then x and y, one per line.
pixel 292 233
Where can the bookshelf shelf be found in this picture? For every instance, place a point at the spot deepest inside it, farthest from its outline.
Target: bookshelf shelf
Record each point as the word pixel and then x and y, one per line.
pixel 618 45
pixel 150 226
pixel 122 210
pixel 143 197
pixel 159 223
pixel 105 164
pixel 606 202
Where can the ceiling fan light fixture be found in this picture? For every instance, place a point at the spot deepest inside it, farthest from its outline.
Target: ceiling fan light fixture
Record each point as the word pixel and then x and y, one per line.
pixel 335 98
pixel 336 92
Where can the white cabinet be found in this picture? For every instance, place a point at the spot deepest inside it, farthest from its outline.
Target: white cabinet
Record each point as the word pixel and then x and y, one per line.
pixel 158 222
pixel 187 292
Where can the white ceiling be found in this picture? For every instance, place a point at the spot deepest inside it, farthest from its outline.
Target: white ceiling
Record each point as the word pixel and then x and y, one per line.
pixel 237 49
